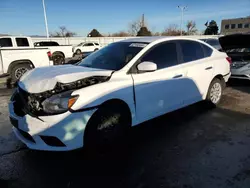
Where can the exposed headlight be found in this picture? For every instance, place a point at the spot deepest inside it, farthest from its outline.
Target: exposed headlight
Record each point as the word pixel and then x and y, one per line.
pixel 59 103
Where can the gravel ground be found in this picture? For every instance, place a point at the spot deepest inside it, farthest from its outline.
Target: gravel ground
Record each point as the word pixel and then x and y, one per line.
pixel 191 148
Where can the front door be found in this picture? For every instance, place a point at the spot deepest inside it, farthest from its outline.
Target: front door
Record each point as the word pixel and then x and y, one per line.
pixel 160 91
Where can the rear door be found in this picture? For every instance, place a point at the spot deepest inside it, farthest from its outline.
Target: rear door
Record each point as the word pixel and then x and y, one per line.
pixel 195 57
pixel 160 91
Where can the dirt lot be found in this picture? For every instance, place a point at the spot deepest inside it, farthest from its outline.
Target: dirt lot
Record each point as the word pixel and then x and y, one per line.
pixel 191 148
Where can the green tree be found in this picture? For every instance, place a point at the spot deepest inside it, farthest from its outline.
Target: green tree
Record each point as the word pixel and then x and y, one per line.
pixel 94 33
pixel 144 32
pixel 212 28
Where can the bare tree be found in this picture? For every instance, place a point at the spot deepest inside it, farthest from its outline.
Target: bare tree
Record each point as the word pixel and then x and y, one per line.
pixel 191 27
pixel 134 27
pixel 172 30
pixel 121 34
pixel 63 32
pixel 156 34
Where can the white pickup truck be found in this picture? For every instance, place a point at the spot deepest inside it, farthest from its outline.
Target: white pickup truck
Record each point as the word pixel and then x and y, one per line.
pixel 17 55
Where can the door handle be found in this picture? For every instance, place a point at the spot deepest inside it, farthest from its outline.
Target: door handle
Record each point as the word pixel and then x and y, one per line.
pixel 208 68
pixel 178 76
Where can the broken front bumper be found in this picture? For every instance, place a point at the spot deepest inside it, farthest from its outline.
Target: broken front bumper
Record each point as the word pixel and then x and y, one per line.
pixel 61 132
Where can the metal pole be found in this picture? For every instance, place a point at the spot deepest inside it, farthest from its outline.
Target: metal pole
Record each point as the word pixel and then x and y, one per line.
pixel 45 19
pixel 182 8
pixel 181 20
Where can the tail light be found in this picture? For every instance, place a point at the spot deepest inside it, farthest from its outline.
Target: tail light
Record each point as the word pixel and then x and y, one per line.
pixel 229 59
pixel 49 54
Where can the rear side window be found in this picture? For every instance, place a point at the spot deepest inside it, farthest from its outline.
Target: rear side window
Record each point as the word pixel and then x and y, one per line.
pixel 96 44
pixel 191 51
pixel 164 55
pixel 213 42
pixel 89 44
pixel 49 44
pixel 22 42
pixel 5 42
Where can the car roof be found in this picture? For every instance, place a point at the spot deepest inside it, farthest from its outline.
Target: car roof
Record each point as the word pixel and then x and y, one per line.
pixel 157 38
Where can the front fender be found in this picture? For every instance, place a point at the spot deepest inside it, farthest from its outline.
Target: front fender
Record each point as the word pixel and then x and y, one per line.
pixel 95 95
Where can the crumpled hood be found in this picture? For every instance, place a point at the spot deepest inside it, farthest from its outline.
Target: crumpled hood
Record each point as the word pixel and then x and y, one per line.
pixel 235 41
pixel 45 78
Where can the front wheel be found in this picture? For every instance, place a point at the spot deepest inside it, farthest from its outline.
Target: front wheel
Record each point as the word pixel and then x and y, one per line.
pixel 215 91
pixel 107 128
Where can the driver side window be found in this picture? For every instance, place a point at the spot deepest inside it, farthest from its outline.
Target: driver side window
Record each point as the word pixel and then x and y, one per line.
pixel 163 55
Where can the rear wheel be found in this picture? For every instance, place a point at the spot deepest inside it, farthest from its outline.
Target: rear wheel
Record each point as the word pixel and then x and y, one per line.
pixel 58 59
pixel 107 129
pixel 96 49
pixel 18 70
pixel 78 52
pixel 215 92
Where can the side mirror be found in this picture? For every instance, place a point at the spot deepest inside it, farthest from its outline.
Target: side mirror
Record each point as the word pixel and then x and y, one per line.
pixel 147 66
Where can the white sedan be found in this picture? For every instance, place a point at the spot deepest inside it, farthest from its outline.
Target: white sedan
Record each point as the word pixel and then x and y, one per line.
pixel 122 85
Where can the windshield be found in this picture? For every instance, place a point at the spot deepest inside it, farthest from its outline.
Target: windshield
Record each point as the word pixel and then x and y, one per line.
pixel 114 56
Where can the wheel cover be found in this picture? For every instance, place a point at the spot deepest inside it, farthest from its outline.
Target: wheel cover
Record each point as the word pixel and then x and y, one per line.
pixel 215 93
pixel 20 71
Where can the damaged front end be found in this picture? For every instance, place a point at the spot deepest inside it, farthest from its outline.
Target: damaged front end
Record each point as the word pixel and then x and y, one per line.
pixel 53 101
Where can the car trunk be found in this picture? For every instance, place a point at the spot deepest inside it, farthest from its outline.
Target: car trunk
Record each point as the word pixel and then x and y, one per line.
pixel 237 47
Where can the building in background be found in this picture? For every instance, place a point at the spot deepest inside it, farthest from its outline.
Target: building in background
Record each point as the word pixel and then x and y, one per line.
pixel 236 25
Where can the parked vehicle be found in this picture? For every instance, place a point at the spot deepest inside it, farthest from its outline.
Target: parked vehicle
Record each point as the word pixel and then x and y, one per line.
pixel 237 46
pixel 46 43
pixel 213 42
pixel 58 52
pixel 121 85
pixel 17 57
pixel 86 47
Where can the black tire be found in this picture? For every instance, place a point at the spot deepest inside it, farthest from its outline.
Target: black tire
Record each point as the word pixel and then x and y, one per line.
pixel 78 51
pixel 107 129
pixel 215 92
pixel 18 70
pixel 95 49
pixel 58 59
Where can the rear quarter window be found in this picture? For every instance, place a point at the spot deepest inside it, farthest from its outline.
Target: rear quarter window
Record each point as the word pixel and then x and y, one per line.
pixel 207 50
